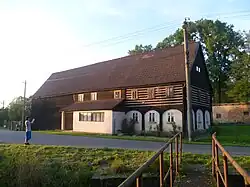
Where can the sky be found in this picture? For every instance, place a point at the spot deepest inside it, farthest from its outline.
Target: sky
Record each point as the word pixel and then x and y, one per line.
pixel 39 37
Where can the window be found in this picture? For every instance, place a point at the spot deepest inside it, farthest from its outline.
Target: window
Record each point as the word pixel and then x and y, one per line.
pixel 170 91
pixel 198 69
pixel 134 94
pixel 151 93
pixel 246 113
pixel 117 94
pixel 80 97
pixel 218 116
pixel 135 117
pixel 151 117
pixel 91 116
pixel 170 117
pixel 208 98
pixel 94 96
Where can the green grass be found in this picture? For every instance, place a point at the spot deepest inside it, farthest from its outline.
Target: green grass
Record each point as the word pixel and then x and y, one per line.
pixel 71 166
pixel 228 135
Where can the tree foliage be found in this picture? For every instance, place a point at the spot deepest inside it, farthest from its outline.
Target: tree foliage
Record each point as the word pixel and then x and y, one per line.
pixel 221 45
pixel 140 49
pixel 239 84
pixel 16 108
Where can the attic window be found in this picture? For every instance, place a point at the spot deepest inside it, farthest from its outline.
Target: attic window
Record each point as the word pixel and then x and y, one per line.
pixel 117 94
pixel 134 94
pixel 198 69
pixel 94 96
pixel 80 97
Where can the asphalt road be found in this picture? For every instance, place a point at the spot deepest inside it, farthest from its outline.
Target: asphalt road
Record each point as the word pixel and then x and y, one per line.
pixel 48 139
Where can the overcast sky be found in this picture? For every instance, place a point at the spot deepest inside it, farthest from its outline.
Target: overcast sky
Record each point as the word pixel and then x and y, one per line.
pixel 39 37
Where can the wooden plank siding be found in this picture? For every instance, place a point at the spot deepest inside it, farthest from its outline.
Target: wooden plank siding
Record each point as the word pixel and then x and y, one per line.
pixel 101 95
pixel 201 97
pixel 160 97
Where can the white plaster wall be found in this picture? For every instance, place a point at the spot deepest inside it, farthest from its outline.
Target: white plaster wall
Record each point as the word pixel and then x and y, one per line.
pixel 207 119
pixel 193 120
pixel 166 126
pixel 199 119
pixel 93 127
pixel 138 125
pixel 152 124
pixel 118 118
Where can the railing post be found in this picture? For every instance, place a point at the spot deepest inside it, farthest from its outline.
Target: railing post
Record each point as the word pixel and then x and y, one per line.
pixel 171 164
pixel 176 152
pixel 225 165
pixel 161 164
pixel 181 142
pixel 217 165
pixel 139 181
pixel 213 159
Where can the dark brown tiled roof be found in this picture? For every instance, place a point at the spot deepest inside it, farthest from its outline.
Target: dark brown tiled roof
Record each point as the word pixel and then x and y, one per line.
pixel 93 105
pixel 161 66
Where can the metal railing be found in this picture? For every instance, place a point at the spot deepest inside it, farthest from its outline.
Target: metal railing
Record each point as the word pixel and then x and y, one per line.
pixel 137 175
pixel 216 146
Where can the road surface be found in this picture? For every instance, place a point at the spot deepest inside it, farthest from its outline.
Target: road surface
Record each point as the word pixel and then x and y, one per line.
pixel 89 142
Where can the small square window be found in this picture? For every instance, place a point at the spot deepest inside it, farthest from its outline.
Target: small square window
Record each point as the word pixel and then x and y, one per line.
pixel 151 93
pixel 94 96
pixel 80 97
pixel 218 116
pixel 134 94
pixel 117 94
pixel 170 91
pixel 198 69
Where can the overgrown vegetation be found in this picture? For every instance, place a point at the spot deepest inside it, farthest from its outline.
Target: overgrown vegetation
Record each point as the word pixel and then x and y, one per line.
pixel 29 166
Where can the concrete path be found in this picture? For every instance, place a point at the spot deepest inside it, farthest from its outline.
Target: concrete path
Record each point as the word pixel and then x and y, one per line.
pixel 48 139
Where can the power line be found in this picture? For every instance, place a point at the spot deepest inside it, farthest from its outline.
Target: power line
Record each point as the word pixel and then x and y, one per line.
pixel 161 27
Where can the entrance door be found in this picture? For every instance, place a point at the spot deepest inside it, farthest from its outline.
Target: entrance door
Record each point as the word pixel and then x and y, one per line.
pixel 69 121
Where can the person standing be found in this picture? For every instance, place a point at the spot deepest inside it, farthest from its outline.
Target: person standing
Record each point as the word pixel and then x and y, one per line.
pixel 28 130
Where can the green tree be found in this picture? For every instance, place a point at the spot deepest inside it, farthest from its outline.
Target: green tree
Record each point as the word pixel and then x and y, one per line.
pixel 240 78
pixel 140 49
pixel 16 108
pixel 3 115
pixel 221 44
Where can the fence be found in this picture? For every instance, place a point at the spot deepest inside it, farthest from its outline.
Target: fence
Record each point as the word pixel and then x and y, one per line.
pixel 216 146
pixel 137 175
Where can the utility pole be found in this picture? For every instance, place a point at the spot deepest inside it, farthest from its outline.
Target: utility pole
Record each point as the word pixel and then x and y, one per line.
pixel 24 103
pixel 3 104
pixel 188 87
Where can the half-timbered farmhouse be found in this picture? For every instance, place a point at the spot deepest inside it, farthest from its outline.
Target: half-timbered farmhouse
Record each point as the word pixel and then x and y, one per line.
pixel 149 88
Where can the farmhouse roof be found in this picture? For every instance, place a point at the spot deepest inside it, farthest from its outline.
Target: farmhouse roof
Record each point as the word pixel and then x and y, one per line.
pixel 108 104
pixel 156 67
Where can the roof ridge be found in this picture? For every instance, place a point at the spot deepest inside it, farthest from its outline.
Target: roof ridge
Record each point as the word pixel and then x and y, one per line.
pixel 124 57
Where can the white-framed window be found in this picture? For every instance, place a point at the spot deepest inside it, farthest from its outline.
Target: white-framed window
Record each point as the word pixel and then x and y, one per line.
pixel 91 116
pixel 198 69
pixel 170 117
pixel 80 97
pixel 134 94
pixel 135 116
pixel 94 96
pixel 169 91
pixel 117 94
pixel 151 93
pixel 151 117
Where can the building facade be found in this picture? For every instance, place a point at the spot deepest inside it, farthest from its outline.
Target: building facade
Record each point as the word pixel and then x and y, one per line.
pixel 148 89
pixel 231 113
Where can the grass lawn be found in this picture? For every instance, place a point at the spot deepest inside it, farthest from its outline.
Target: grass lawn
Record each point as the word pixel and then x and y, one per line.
pixel 36 165
pixel 231 135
